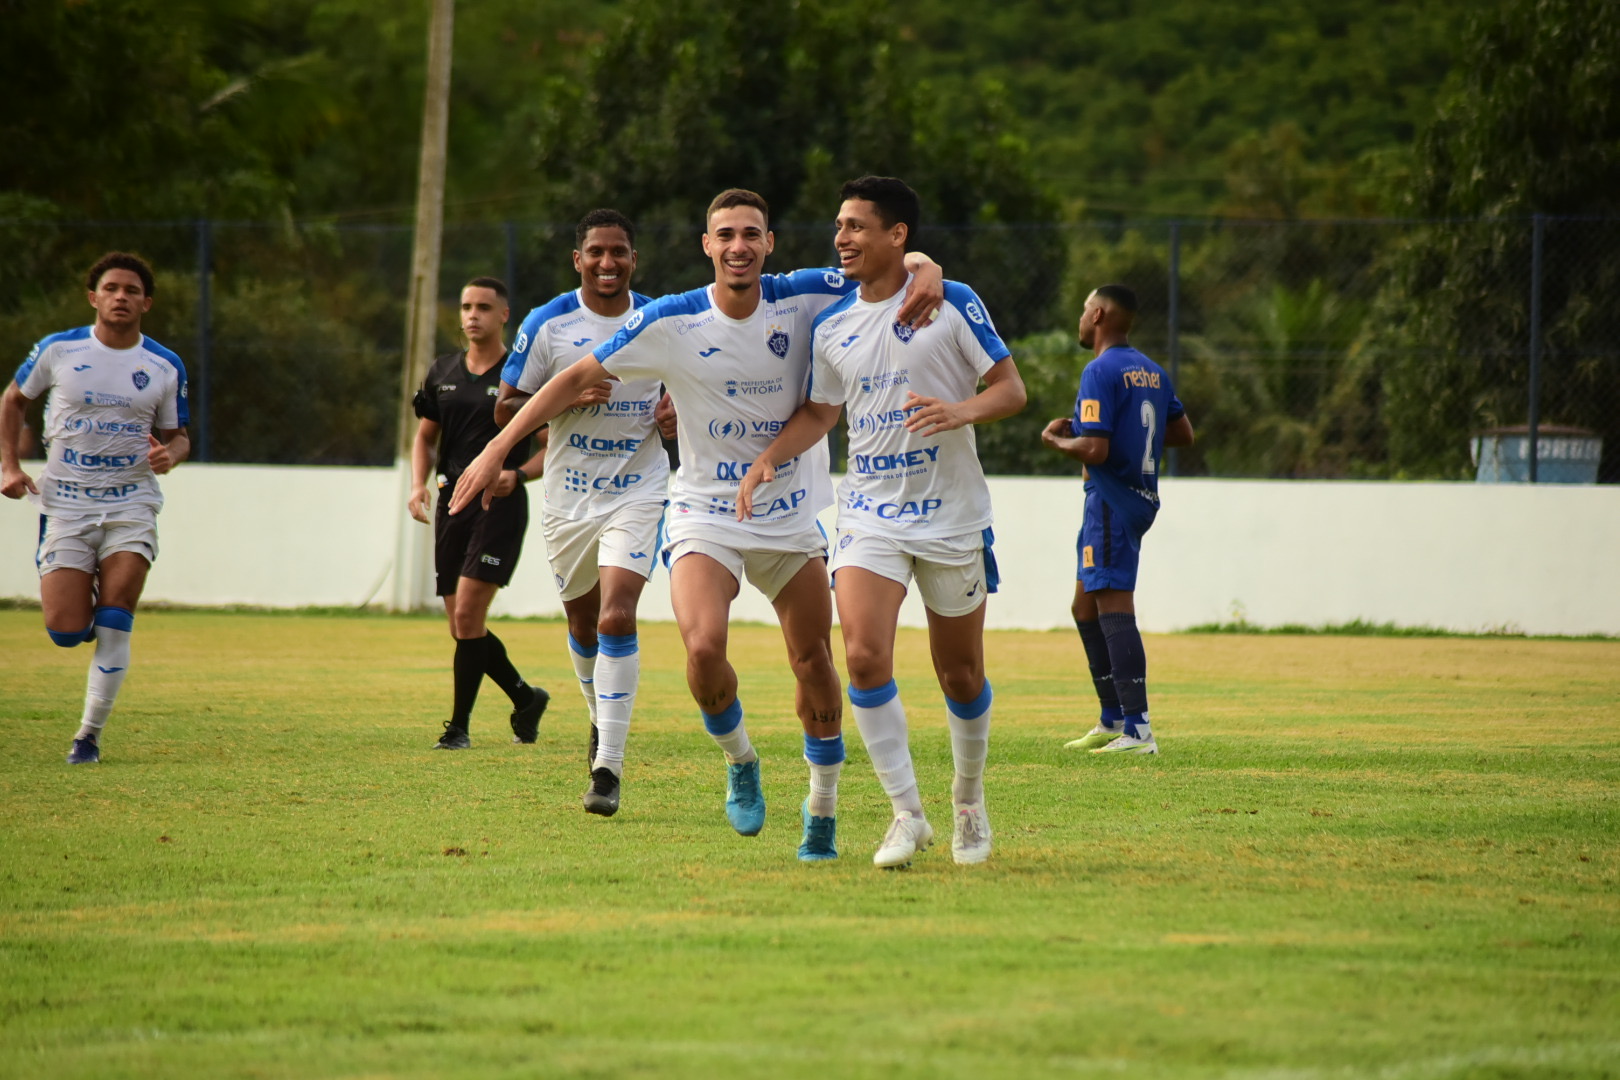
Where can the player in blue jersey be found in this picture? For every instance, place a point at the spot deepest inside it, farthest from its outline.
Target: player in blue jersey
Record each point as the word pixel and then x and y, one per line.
pixel 913 506
pixel 115 420
pixel 735 358
pixel 606 482
pixel 1124 416
pixel 475 552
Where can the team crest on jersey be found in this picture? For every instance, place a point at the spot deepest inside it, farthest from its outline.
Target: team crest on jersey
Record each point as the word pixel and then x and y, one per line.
pixel 142 380
pixel 778 343
pixel 903 332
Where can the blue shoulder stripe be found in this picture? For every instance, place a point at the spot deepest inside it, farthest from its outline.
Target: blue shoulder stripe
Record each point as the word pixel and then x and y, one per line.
pixel 965 300
pixel 183 403
pixel 824 282
pixel 691 302
pixel 26 368
pixel 843 303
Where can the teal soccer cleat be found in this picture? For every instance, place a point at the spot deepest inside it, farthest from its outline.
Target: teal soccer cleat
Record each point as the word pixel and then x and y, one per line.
pixel 820 841
pixel 745 802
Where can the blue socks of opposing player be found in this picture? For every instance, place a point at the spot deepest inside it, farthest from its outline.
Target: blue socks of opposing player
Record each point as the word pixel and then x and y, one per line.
pixel 826 760
pixel 1128 662
pixel 112 626
pixel 1102 671
pixel 970 744
pixel 618 671
pixel 729 733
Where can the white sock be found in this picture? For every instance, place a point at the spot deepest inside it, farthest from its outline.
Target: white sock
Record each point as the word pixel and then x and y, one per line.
pixel 729 732
pixel 970 745
pixel 618 670
pixel 882 721
pixel 107 668
pixel 585 672
pixel 826 760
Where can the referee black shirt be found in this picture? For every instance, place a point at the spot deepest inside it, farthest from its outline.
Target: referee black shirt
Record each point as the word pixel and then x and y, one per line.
pixel 463 405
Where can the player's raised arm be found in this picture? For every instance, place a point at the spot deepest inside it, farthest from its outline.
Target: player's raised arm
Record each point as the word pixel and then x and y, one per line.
pixel 927 291
pixel 808 425
pixel 553 399
pixel 1002 396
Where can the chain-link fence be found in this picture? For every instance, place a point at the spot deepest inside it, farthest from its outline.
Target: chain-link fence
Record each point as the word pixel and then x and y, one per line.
pixel 1398 349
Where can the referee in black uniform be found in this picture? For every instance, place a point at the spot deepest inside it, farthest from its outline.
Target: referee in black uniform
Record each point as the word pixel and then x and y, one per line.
pixel 475 551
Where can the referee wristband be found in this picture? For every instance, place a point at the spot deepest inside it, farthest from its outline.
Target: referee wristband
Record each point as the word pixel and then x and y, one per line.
pixel 523 477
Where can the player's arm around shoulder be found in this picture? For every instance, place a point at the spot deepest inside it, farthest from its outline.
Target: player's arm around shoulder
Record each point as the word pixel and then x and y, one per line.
pixel 14 482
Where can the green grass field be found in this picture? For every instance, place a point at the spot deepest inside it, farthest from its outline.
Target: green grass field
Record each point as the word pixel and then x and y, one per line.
pixel 1355 857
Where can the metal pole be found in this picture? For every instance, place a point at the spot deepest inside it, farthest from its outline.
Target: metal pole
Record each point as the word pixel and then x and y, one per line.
pixel 203 400
pixel 1174 329
pixel 422 303
pixel 1537 231
pixel 510 230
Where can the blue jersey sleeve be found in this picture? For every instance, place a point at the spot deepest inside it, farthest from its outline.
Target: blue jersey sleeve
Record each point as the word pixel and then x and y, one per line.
pixel 965 300
pixel 1093 406
pixel 522 345
pixel 182 403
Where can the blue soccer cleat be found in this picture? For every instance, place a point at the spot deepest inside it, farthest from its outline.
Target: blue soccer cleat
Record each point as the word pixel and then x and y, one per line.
pixel 745 802
pixel 820 841
pixel 84 752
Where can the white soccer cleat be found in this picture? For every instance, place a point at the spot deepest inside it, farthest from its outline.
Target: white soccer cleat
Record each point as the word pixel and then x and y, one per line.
pixel 907 835
pixel 970 838
pixel 1129 744
pixel 1101 735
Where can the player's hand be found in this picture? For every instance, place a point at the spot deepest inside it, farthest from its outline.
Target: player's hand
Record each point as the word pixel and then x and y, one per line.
pixel 760 472
pixel 930 416
pixel 418 503
pixel 923 298
pixel 158 456
pixel 596 395
pixel 1057 433
pixel 479 477
pixel 664 417
pixel 16 483
pixel 504 485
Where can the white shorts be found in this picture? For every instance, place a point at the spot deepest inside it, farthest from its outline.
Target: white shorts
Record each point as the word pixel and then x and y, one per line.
pixel 627 536
pixel 83 543
pixel 954 574
pixel 767 571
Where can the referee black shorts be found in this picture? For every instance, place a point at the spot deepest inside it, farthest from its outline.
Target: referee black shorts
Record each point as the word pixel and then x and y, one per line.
pixel 478 543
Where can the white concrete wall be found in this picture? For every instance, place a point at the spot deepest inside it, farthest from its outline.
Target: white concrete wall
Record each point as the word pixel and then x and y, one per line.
pixel 1542 560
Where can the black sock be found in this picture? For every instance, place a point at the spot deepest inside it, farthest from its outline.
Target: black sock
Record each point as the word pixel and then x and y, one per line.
pixel 469 672
pixel 499 668
pixel 1129 663
pixel 1102 669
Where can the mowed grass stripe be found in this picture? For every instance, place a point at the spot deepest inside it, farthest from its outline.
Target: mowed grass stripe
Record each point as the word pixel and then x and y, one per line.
pixel 1356 856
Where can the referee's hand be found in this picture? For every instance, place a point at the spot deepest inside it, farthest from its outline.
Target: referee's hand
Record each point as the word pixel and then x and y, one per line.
pixel 419 503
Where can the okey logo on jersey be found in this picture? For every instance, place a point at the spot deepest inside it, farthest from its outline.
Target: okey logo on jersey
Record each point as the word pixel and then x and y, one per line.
pixel 141 379
pixel 778 342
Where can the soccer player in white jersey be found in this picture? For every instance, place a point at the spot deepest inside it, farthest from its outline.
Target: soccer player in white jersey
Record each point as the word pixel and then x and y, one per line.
pixel 914 503
pixel 606 478
pixel 114 421
pixel 735 358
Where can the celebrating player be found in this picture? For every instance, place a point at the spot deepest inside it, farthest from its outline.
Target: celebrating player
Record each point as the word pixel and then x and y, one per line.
pixel 606 480
pixel 1124 416
pixel 114 421
pixel 913 504
pixel 476 550
pixel 735 357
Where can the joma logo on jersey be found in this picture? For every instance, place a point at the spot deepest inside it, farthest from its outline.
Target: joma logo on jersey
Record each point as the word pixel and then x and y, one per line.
pixel 603 446
pixel 879 463
pixel 1138 377
pixel 1090 411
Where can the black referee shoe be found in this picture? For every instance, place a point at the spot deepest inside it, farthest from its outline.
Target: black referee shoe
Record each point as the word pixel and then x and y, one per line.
pixel 454 738
pixel 602 797
pixel 526 721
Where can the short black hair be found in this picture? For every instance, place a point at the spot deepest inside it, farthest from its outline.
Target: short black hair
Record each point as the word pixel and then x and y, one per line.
pixel 896 202
pixel 1121 296
pixel 738 197
pixel 600 219
pixel 488 283
pixel 121 260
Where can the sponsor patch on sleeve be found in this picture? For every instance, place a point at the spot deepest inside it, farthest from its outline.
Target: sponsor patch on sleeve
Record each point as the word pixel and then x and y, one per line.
pixel 1090 411
pixel 1086 559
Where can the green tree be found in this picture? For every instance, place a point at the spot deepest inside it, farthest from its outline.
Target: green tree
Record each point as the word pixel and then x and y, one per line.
pixel 1529 125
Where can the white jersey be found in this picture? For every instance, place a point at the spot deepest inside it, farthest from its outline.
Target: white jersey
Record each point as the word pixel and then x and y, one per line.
pixel 735 383
pixel 605 456
pixel 103 404
pixel 899 483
